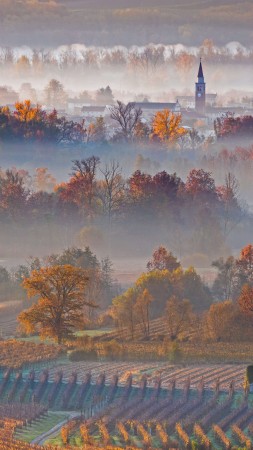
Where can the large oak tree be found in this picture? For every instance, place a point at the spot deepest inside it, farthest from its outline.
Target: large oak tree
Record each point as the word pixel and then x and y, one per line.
pixel 59 309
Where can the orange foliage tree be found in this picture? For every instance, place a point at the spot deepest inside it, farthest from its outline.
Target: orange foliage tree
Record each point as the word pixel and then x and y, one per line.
pixel 167 126
pixel 245 299
pixel 60 305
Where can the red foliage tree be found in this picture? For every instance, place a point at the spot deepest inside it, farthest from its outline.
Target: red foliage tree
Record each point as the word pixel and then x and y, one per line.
pixel 162 259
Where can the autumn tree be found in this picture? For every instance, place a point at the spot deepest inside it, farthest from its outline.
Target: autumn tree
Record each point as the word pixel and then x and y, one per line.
pixel 25 112
pixel 111 189
pixel 207 49
pixel 224 286
pixel 96 131
pixel 245 265
pixel 189 284
pixel 200 185
pixel 127 117
pixel 81 187
pixel 233 274
pixel 149 194
pixel 77 257
pixel 195 139
pixel 140 187
pixel 100 288
pixel 13 194
pixel 230 127
pixel 5 284
pixel 55 95
pixel 220 320
pixel 23 66
pixel 32 123
pixel 26 91
pixel 162 259
pixel 123 311
pixel 162 284
pixel 245 300
pixel 43 180
pixel 233 210
pixel 178 316
pixel 141 133
pixel 142 308
pixel 167 126
pixel 149 60
pixel 104 96
pixel 59 294
pixel 184 63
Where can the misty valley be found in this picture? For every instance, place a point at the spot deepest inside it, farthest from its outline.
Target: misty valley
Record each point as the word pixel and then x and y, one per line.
pixel 126 218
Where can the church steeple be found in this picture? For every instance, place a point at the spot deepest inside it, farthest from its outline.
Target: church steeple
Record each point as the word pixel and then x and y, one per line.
pixel 200 91
pixel 200 74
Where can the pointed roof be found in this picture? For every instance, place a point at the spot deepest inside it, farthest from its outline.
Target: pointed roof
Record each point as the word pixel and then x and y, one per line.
pixel 200 74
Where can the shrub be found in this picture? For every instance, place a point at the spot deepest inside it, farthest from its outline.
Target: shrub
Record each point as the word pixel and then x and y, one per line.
pixel 82 355
pixel 175 352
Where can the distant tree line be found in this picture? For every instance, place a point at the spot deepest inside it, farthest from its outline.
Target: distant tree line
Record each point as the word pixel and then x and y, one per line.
pixel 28 123
pixel 147 60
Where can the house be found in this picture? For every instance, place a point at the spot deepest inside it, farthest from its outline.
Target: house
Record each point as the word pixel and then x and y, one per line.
pixel 149 109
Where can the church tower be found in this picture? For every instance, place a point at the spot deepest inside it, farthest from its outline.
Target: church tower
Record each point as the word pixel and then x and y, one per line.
pixel 200 92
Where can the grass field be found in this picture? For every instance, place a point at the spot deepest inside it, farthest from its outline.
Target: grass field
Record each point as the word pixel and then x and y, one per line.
pixel 40 426
pixel 94 333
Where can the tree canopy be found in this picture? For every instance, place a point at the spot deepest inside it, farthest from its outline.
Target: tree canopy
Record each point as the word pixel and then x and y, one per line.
pixel 60 301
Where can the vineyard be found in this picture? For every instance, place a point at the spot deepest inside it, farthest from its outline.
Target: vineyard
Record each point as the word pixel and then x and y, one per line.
pixel 157 329
pixel 16 354
pixel 151 418
pixel 121 405
pixel 177 419
pixel 168 372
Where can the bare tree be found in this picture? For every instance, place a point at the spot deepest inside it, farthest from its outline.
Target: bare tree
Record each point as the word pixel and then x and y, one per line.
pixel 234 209
pixel 195 139
pixel 127 117
pixel 111 190
pixel 85 170
pixel 149 60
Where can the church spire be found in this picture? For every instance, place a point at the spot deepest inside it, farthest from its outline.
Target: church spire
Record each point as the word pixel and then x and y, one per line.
pixel 200 91
pixel 200 74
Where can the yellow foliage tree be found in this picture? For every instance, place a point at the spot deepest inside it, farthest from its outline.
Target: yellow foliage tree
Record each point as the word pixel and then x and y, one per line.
pixel 167 126
pixel 142 305
pixel 25 112
pixel 60 306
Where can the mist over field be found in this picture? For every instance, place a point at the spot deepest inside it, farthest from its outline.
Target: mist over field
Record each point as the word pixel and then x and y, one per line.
pixel 126 218
pixel 159 73
pixel 172 71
